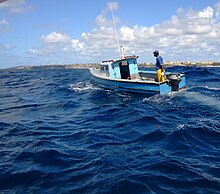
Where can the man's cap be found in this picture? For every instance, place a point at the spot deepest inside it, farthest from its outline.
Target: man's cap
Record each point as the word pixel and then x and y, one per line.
pixel 156 52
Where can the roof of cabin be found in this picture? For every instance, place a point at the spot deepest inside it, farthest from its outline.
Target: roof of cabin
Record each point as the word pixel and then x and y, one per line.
pixel 123 59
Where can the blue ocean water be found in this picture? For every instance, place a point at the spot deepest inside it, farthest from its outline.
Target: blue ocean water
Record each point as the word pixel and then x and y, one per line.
pixel 59 133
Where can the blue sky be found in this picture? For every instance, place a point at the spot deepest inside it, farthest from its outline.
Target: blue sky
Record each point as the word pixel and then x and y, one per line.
pixel 39 32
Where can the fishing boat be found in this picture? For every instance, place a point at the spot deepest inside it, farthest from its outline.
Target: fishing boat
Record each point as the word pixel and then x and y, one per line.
pixel 124 75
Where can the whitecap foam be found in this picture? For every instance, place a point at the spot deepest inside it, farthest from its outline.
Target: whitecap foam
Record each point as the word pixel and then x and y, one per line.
pixel 180 126
pixel 216 89
pixel 206 87
pixel 203 99
pixel 161 98
pixel 82 86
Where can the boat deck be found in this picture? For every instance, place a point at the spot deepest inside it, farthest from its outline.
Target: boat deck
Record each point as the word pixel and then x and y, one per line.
pixel 145 77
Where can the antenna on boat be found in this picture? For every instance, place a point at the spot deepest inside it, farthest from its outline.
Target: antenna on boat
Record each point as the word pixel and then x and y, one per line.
pixel 120 48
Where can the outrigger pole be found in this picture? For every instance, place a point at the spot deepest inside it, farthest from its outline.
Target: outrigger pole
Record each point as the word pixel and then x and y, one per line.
pixel 120 48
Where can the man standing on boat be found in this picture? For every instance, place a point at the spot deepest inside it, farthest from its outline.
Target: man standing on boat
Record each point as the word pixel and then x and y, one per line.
pixel 159 66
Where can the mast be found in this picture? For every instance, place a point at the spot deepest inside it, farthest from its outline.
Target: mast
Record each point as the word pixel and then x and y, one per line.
pixel 120 48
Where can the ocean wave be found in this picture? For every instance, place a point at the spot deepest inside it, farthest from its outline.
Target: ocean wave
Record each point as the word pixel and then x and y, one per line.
pixel 61 134
pixel 203 99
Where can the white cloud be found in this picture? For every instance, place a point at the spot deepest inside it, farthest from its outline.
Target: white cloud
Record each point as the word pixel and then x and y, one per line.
pixel 36 51
pixel 189 34
pixel 206 13
pixel 7 55
pixel 54 38
pixel 5 47
pixel 56 43
pixel 112 6
pixel 103 20
pixel 196 28
pixel 127 33
pixel 4 24
pixel 74 46
pixel 217 7
pixel 217 12
pixel 16 6
pixel 186 41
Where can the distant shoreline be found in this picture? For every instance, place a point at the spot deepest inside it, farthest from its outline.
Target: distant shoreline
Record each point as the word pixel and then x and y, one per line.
pixel 87 66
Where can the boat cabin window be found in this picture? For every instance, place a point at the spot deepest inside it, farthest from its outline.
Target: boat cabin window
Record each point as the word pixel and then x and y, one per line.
pixel 104 68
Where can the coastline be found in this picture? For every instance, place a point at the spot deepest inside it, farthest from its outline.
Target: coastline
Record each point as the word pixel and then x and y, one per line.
pixel 94 65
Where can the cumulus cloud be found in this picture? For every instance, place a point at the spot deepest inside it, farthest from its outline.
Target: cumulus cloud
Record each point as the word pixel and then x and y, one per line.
pixel 6 52
pixel 217 12
pixel 127 33
pixel 112 6
pixel 217 7
pixel 16 6
pixel 186 35
pixel 74 46
pixel 5 47
pixel 56 42
pixel 206 13
pixel 55 38
pixel 190 31
pixel 35 51
pixel 4 24
pixel 103 20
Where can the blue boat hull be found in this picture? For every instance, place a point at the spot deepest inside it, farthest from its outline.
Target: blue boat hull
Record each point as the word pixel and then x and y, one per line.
pixel 133 86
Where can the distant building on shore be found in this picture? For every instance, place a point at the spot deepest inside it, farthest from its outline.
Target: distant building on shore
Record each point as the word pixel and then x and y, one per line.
pixel 188 63
pixel 206 62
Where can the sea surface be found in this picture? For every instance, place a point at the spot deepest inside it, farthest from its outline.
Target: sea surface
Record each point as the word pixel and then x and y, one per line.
pixel 59 133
